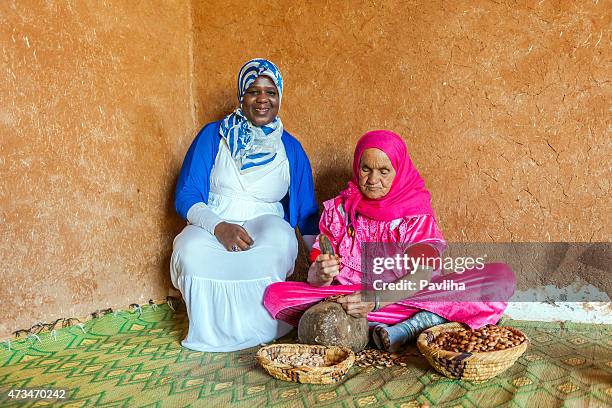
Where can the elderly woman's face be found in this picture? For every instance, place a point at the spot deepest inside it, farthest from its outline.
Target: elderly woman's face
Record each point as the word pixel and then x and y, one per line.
pixel 376 173
pixel 260 101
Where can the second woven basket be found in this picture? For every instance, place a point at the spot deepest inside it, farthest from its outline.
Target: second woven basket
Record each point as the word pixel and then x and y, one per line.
pixel 467 366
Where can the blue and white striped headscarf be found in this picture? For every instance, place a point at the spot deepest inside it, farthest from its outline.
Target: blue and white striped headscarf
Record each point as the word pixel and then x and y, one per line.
pixel 252 146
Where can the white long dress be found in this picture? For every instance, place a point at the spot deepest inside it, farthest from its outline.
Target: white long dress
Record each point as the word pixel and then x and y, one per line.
pixel 224 290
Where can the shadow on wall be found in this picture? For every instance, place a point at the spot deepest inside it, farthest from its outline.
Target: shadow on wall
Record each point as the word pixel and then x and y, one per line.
pixel 329 182
pixel 153 149
pixel 173 225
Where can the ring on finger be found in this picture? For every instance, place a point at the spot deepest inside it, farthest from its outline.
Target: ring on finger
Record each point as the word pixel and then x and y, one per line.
pixel 234 248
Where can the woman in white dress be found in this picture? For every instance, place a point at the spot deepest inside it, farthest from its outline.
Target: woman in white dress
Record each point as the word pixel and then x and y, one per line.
pixel 244 186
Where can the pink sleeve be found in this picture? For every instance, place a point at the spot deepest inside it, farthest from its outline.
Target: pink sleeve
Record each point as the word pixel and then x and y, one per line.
pixel 332 223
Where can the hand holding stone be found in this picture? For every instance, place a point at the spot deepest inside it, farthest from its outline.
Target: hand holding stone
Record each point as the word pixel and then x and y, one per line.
pixel 323 270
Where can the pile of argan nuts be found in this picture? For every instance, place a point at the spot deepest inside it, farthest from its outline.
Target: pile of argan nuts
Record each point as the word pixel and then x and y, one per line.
pixel 488 338
pixel 300 359
pixel 381 359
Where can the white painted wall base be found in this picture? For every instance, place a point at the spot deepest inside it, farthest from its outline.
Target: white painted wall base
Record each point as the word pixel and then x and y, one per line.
pixel 579 312
pixel 597 310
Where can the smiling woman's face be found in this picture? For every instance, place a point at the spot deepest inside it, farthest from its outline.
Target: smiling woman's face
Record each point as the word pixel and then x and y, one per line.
pixel 376 173
pixel 260 101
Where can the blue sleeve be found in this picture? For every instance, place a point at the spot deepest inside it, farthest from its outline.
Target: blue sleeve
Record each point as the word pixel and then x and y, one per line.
pixel 307 211
pixel 193 184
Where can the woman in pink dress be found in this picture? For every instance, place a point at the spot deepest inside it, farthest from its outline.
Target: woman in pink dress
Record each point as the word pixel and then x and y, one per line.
pixel 387 202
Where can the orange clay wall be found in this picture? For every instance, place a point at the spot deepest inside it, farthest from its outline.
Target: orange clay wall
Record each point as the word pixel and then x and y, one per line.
pixel 504 106
pixel 95 116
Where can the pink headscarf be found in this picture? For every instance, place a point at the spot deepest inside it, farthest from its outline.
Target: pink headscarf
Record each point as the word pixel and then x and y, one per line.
pixel 407 196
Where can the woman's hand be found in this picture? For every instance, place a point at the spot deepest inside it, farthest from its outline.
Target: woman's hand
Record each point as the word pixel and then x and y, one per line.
pixel 355 306
pixel 233 237
pixel 323 270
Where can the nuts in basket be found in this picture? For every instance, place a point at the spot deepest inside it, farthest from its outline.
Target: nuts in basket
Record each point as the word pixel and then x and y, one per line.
pixel 471 355
pixel 304 363
pixel 488 338
pixel 300 359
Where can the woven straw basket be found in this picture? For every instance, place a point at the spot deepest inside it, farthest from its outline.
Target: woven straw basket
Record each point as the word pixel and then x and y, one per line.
pixel 468 366
pixel 338 361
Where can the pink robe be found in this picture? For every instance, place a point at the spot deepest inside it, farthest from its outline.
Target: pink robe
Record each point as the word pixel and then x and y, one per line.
pixel 288 300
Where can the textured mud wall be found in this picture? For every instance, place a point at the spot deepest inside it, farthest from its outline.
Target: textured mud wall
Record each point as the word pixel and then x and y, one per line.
pixel 95 114
pixel 505 105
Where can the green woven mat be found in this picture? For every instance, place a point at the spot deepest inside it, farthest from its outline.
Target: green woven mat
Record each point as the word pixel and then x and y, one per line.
pixel 132 359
